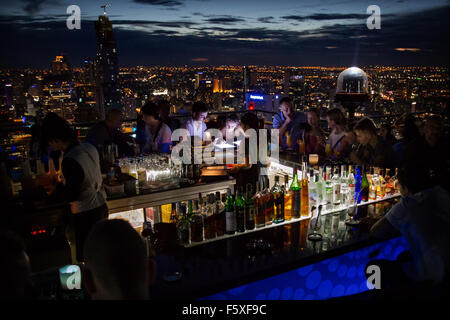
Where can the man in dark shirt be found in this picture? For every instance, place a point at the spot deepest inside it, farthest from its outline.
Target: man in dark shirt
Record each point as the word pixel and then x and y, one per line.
pixel 372 150
pixel 108 131
pixel 431 151
pixel 289 121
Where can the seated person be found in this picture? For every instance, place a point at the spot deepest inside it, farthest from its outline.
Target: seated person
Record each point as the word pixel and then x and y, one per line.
pixel 337 143
pixel 422 216
pixel 372 151
pixel 288 121
pixel 15 270
pixel 116 266
pixel 406 131
pixel 108 132
pixel 196 126
pixel 164 115
pixel 231 127
pixel 315 137
pixel 432 150
pixel 385 134
pixel 158 134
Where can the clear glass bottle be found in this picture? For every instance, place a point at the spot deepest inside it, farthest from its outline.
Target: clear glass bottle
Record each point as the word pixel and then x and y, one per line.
pixel 336 182
pixel 249 208
pixel 287 199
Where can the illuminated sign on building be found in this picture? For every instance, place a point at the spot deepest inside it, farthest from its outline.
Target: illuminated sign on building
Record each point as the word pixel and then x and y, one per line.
pixel 255 97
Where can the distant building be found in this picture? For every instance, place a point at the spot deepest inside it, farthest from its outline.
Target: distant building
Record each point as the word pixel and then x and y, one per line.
pixel 107 67
pixel 60 65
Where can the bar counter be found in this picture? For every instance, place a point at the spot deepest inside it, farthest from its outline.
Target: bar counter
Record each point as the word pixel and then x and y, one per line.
pixel 233 262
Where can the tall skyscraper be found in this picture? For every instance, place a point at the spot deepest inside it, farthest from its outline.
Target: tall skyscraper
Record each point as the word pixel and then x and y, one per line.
pixel 107 68
pixel 60 65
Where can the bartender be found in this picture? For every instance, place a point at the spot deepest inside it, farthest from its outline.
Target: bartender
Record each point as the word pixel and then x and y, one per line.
pixel 83 179
pixel 157 134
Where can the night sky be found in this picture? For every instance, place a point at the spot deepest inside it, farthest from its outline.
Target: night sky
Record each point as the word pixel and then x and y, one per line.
pixel 239 32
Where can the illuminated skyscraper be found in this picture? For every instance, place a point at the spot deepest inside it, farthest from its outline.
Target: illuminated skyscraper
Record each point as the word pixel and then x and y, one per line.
pixel 107 68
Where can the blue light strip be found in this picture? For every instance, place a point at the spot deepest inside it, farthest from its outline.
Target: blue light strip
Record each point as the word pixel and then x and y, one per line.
pixel 336 277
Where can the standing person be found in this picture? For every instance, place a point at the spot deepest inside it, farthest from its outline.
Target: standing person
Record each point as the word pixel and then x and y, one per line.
pixel 196 126
pixel 337 144
pixel 315 137
pixel 288 121
pixel 372 150
pixel 158 134
pixel 82 175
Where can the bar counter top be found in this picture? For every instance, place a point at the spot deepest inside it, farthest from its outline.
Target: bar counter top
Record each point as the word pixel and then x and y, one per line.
pixel 233 261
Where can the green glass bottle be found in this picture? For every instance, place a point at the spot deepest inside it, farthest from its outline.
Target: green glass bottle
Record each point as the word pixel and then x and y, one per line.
pixel 230 215
pixel 239 208
pixel 295 191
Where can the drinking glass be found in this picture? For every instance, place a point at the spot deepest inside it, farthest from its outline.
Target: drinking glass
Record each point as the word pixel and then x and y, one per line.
pixel 315 225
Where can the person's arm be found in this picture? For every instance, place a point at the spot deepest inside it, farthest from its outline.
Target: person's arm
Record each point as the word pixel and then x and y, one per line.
pixel 74 176
pixel 383 229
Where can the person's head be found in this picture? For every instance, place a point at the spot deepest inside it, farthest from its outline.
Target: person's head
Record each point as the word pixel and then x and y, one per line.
pixel 199 111
pixel 249 121
pixel 336 119
pixel 150 114
pixel 406 127
pixel 56 133
pixel 285 105
pixel 365 131
pixel 232 122
pixel 116 264
pixel 114 119
pixel 385 131
pixel 432 129
pixel 313 116
pixel 164 109
pixel 413 177
pixel 15 268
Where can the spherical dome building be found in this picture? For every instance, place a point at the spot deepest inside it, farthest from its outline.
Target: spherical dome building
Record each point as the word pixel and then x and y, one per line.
pixel 352 81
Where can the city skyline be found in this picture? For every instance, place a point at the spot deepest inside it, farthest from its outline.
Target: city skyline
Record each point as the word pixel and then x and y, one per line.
pixel 212 33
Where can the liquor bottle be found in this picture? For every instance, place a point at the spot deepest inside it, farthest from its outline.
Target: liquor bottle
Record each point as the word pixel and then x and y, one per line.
pixel 351 186
pixel 344 187
pixel 239 208
pixel 268 200
pixel 183 229
pixel 220 216
pixel 304 196
pixel 278 201
pixel 295 190
pixel 395 182
pixel 150 238
pixel 312 190
pixel 373 187
pixel 336 182
pixel 210 219
pixel 328 189
pixel 287 200
pixel 260 207
pixel 389 188
pixel 197 224
pixel 364 186
pixel 358 189
pixel 230 214
pixel 249 209
pixel 319 183
pixel 173 213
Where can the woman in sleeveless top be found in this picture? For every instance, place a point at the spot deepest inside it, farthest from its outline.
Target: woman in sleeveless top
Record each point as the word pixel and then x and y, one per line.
pixel 158 134
pixel 337 140
pixel 83 179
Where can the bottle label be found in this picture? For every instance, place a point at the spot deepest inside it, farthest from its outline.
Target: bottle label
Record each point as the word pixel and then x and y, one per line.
pixel 230 220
